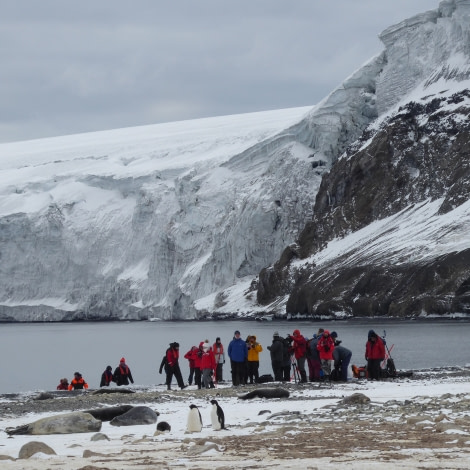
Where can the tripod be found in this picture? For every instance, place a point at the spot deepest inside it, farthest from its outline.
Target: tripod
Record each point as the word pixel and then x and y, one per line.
pixel 295 370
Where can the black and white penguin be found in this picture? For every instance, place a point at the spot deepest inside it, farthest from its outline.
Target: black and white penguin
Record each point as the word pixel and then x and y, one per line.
pixel 194 419
pixel 217 416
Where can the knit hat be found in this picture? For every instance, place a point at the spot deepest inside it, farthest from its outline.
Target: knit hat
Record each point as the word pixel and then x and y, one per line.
pixel 333 334
pixel 122 360
pixel 109 368
pixel 276 333
pixel 371 333
pixel 326 332
pixel 237 332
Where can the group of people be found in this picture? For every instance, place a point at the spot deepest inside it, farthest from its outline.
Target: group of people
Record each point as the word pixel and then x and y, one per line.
pixel 206 362
pixel 244 359
pixel 122 376
pixel 323 354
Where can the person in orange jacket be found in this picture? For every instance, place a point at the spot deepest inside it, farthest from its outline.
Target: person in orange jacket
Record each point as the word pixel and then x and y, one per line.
pixel 78 382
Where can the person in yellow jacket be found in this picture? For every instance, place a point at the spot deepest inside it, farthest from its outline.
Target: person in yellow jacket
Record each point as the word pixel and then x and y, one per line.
pixel 254 348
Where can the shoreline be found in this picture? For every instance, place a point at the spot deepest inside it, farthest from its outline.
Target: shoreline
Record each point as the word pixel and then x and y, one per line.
pixel 462 318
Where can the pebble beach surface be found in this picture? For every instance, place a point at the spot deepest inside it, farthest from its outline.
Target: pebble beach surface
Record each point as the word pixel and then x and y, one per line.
pixel 418 422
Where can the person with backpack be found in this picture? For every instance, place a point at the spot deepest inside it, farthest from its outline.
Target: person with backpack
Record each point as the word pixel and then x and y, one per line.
pixel 375 354
pixel 342 358
pixel 106 377
pixel 326 346
pixel 313 357
pixel 286 358
pixel 172 366
pixel 122 374
pixel 276 351
pixel 299 350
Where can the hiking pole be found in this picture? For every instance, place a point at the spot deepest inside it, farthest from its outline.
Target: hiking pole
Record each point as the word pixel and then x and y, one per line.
pixel 388 363
pixel 295 369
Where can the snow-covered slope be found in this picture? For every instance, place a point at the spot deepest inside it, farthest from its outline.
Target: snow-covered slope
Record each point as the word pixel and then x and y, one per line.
pixel 176 220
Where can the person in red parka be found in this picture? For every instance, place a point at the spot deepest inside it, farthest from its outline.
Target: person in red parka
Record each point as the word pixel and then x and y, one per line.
pixel 208 365
pixel 299 349
pixel 375 354
pixel 190 356
pixel 63 384
pixel 326 346
pixel 173 367
pixel 197 355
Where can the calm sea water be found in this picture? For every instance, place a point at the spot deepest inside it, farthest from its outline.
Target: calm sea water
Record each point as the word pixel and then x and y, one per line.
pixel 36 356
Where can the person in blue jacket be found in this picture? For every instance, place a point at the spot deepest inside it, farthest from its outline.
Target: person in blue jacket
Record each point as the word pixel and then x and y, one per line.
pixel 238 353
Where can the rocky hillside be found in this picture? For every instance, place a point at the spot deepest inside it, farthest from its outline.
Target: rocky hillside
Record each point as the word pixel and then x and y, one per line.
pixel 412 173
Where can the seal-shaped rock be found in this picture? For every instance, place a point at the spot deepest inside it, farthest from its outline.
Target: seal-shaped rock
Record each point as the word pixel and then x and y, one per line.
pixel 137 415
pixel 275 392
pixel 68 423
pixel 34 447
pixel 109 412
pixel 356 399
pixel 163 426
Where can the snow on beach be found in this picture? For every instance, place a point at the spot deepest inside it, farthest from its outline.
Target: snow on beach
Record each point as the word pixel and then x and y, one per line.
pixel 408 422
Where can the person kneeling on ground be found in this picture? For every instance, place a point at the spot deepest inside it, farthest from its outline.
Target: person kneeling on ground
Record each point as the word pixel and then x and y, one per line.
pixel 342 358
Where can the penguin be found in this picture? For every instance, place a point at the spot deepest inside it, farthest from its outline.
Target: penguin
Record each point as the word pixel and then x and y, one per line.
pixel 217 416
pixel 194 419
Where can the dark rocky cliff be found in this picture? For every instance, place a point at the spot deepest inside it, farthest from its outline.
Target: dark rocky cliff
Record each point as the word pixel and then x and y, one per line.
pixel 419 154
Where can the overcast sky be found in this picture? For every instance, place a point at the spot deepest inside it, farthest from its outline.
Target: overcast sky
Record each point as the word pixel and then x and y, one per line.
pixel 69 67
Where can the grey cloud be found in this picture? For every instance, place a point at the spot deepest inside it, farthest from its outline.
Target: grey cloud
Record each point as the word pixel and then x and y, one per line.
pixel 72 67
